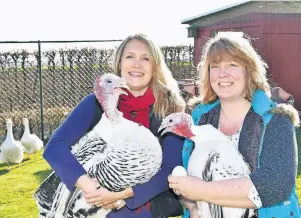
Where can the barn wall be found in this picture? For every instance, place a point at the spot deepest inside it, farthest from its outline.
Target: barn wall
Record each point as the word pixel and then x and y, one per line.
pixel 276 37
pixel 282 40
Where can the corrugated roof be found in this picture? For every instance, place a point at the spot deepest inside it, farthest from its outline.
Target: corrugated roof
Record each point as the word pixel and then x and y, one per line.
pixel 187 20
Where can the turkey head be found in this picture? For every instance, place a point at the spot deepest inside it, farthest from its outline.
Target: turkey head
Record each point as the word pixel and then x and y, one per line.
pixel 108 87
pixel 177 123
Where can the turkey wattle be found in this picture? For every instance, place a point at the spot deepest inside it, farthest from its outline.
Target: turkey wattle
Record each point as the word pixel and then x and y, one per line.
pixel 214 158
pixel 117 152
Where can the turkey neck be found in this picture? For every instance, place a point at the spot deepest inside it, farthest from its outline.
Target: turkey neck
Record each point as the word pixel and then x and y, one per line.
pixel 110 107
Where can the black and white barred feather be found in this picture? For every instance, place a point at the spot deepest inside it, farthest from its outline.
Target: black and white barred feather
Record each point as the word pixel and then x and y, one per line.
pixel 118 152
pixel 129 156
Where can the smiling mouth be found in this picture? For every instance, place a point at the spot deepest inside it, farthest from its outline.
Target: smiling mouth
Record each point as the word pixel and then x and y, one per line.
pixel 136 74
pixel 225 84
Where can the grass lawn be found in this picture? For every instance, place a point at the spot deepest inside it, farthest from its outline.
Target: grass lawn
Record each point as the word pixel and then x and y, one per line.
pixel 17 187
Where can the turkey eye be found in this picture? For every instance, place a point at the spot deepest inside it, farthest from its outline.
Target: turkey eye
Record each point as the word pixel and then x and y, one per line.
pixel 170 120
pixel 109 81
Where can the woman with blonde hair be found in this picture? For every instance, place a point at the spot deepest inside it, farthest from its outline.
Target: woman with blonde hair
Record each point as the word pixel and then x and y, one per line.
pixel 153 94
pixel 235 98
pixel 161 82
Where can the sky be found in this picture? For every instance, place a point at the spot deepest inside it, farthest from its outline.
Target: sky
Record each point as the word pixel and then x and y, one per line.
pixel 100 19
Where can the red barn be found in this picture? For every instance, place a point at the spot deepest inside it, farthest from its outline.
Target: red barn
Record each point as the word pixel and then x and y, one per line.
pixel 274 26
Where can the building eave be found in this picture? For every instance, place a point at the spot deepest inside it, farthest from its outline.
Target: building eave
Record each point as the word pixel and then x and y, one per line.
pixel 191 19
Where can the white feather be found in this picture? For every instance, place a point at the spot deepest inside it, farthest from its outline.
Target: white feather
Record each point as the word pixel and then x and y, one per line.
pixel 11 149
pixel 227 164
pixel 215 157
pixel 30 142
pixel 132 153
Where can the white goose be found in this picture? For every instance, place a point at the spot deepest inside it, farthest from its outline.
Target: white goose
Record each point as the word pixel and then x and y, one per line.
pixel 30 142
pixel 11 150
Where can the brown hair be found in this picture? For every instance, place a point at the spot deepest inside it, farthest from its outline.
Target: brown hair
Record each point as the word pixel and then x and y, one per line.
pixel 230 46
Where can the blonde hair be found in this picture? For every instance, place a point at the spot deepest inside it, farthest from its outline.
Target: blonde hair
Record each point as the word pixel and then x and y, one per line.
pixel 231 47
pixel 164 86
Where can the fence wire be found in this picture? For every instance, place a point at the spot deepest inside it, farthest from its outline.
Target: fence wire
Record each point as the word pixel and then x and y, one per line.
pixel 45 85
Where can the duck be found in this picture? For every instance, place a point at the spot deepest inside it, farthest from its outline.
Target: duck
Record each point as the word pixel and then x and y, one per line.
pixel 31 142
pixel 12 150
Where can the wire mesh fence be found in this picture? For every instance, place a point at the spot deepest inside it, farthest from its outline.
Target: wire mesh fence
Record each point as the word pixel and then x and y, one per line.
pixel 44 82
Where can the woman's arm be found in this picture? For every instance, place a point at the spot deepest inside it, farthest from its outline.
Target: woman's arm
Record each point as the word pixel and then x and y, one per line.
pixel 172 156
pixel 191 206
pixel 274 180
pixel 276 177
pixel 57 152
pixel 230 193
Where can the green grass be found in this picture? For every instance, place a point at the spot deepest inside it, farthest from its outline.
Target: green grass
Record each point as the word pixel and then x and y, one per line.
pixel 17 187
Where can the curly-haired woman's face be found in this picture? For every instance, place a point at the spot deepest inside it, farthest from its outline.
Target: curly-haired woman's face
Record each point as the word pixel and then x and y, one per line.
pixel 228 80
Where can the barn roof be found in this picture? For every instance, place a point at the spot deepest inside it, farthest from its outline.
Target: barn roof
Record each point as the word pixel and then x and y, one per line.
pixel 189 20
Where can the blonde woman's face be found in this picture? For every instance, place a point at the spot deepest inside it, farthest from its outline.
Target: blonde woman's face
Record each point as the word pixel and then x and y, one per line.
pixel 228 80
pixel 136 67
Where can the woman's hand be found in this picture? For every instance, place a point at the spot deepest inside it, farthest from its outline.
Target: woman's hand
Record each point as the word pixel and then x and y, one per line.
pixel 110 206
pixel 191 206
pixel 194 212
pixel 186 186
pixel 102 197
pixel 116 205
pixel 87 184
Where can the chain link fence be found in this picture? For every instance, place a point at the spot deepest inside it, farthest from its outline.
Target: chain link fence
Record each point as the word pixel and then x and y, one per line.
pixel 44 82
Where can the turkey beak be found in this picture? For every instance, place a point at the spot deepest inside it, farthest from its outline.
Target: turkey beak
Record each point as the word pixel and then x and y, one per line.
pixel 124 85
pixel 121 88
pixel 163 129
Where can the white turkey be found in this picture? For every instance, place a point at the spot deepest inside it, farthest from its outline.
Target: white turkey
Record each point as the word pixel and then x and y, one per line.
pixel 118 152
pixel 30 142
pixel 11 150
pixel 214 158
